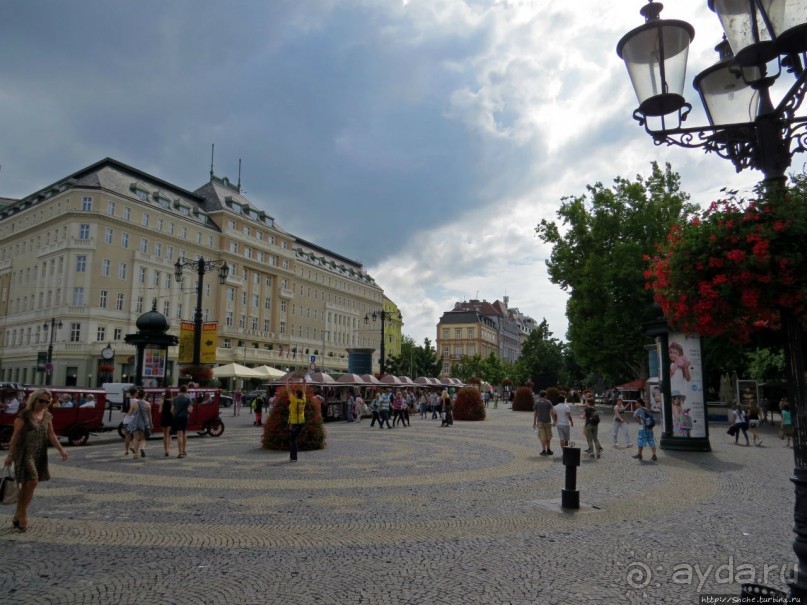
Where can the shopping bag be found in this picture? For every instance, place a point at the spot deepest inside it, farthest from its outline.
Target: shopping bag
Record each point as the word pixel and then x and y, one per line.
pixel 9 490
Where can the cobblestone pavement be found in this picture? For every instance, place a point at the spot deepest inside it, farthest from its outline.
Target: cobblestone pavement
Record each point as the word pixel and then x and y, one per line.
pixel 421 515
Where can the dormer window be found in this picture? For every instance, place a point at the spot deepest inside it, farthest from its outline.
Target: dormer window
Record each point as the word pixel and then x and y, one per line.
pixel 183 209
pixel 140 191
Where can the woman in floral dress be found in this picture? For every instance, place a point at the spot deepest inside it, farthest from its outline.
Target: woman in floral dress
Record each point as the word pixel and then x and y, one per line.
pixel 28 451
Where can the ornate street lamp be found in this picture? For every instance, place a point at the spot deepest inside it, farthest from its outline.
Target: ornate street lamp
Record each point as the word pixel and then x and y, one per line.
pixel 745 127
pixel 53 325
pixel 201 266
pixel 383 316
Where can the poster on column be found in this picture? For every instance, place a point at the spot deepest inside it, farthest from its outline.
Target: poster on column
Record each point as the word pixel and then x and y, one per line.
pixel 686 386
pixel 154 362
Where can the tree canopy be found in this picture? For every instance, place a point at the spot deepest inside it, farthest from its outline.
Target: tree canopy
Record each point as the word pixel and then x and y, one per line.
pixel 415 360
pixel 599 244
pixel 542 359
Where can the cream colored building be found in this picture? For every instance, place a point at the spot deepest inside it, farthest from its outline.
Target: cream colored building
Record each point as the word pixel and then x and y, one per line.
pixel 465 333
pixel 94 250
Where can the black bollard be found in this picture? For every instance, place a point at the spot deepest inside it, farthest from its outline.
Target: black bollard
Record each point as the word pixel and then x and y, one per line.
pixel 569 495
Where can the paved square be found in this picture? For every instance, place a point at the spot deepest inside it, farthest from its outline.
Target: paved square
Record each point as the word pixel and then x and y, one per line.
pixel 420 515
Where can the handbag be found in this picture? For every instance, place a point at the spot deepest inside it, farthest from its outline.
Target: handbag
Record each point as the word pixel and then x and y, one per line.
pixel 9 490
pixel 732 430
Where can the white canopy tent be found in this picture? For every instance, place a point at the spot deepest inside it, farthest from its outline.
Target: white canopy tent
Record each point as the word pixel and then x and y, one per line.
pixel 235 370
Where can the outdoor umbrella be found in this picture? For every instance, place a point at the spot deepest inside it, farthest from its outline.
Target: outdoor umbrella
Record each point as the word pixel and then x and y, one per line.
pixel 320 378
pixel 270 372
pixel 235 370
pixel 351 379
pixel 725 393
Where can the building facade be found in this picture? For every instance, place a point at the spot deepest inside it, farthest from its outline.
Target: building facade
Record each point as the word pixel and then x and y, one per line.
pixel 93 251
pixel 465 333
pixel 480 328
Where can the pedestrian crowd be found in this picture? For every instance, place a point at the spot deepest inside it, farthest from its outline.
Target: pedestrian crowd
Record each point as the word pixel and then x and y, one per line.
pixel 558 417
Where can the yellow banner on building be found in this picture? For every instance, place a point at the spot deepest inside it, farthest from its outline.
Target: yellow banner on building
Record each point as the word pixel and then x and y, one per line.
pixel 210 332
pixel 185 342
pixel 207 353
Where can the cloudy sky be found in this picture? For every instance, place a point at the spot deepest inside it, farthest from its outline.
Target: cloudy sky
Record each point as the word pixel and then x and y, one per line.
pixel 423 138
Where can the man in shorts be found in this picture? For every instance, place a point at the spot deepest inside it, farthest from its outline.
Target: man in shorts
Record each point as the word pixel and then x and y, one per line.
pixel 562 419
pixel 181 408
pixel 645 437
pixel 542 422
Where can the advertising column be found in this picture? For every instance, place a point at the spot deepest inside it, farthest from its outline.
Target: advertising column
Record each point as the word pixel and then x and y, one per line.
pixel 683 368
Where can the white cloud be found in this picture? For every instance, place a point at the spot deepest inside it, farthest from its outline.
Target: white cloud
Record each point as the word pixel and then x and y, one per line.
pixel 425 138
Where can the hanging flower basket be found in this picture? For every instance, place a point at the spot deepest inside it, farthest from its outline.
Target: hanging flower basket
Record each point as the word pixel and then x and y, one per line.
pixel 106 369
pixel 199 374
pixel 734 268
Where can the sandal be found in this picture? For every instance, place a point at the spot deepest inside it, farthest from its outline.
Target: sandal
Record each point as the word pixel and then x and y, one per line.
pixel 15 523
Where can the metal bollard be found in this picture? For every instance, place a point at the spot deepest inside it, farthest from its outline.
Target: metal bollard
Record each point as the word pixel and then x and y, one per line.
pixel 570 495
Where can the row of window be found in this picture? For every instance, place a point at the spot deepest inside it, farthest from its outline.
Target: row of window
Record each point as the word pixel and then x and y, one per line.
pixel 34 335
pixel 470 333
pixel 459 351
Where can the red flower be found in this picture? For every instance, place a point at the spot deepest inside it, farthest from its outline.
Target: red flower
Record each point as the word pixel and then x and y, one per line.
pixel 731 269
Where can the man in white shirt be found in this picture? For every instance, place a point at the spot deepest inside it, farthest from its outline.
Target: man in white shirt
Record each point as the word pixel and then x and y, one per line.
pixel 12 405
pixel 562 419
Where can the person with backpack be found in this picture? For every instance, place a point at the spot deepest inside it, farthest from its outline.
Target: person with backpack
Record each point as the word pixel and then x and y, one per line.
pixel 645 437
pixel 591 428
pixel 257 404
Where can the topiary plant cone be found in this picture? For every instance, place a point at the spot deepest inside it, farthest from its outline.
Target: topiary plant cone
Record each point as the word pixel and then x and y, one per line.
pixel 276 427
pixel 522 402
pixel 469 405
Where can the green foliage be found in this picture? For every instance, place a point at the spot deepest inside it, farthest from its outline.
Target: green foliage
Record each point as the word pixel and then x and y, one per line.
pixel 597 256
pixel 468 404
pixel 276 427
pixel 766 365
pixel 415 361
pixel 553 394
pixel 542 358
pixel 493 370
pixel 467 367
pixel 523 401
pixel 736 267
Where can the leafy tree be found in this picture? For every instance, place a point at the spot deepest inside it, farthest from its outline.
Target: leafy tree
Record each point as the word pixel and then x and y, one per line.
pixel 415 360
pixel 766 365
pixel 467 367
pixel 597 257
pixel 542 358
pixel 493 370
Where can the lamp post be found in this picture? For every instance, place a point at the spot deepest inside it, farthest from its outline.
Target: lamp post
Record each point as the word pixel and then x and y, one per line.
pixel 51 325
pixel 324 332
pixel 744 127
pixel 383 316
pixel 201 266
